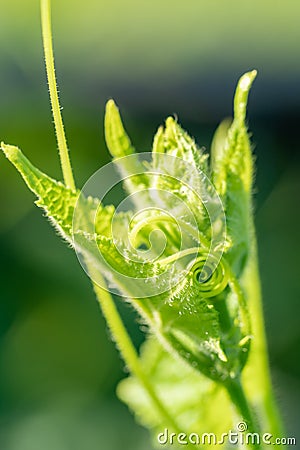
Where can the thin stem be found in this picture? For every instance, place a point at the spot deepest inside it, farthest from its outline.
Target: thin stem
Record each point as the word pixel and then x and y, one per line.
pixel 239 399
pixel 235 286
pixel 178 255
pixel 256 376
pixel 56 110
pixel 128 351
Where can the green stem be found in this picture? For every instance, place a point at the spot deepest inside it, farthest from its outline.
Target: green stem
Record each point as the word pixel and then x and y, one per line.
pixel 176 256
pixel 239 399
pixel 256 376
pixel 56 110
pixel 128 351
pixel 257 393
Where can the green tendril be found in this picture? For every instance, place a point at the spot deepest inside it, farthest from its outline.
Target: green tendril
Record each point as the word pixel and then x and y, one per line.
pixel 173 258
pixel 209 275
pixel 184 226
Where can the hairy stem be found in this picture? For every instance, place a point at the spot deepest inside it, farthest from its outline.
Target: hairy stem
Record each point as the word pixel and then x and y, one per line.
pixel 254 393
pixel 56 110
pixel 128 351
pixel 256 376
pixel 239 399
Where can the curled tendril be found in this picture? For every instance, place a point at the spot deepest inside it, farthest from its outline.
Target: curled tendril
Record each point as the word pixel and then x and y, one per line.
pixel 158 222
pixel 209 278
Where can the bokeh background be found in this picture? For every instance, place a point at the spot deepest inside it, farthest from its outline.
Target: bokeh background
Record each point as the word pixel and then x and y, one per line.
pixel 58 366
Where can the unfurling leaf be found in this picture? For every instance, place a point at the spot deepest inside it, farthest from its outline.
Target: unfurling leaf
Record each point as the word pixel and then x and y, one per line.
pixel 232 175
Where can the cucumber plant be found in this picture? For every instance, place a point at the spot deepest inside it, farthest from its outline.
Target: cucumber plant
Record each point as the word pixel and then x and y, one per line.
pixel 183 254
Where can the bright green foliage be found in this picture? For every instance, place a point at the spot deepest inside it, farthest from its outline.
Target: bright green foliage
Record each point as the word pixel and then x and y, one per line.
pixel 120 146
pixel 207 328
pixel 183 254
pixel 200 330
pixel 117 140
pixel 93 224
pixel 56 200
pixel 207 342
pixel 232 173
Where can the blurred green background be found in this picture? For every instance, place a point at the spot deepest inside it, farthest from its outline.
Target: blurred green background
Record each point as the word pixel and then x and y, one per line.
pixel 58 366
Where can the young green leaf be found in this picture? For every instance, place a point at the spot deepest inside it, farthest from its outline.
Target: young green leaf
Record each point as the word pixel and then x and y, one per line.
pixel 232 174
pixel 58 201
pixel 120 146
